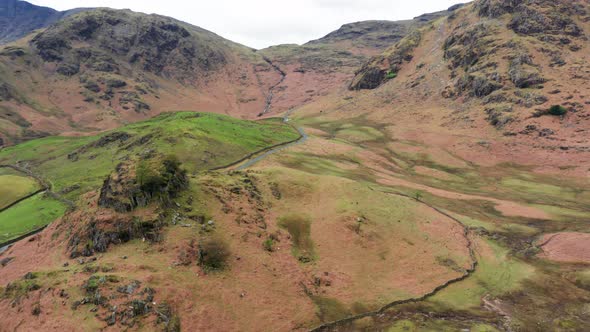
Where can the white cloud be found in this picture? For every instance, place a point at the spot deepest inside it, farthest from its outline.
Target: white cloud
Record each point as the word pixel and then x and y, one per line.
pixel 262 23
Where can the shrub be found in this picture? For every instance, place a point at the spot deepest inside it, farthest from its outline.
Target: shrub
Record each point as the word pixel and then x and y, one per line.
pixel 418 195
pixel 268 244
pixel 500 115
pixel 116 83
pixel 164 180
pixel 557 110
pixel 213 254
pixel 391 75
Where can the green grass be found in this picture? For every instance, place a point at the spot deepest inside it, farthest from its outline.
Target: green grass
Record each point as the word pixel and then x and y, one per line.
pixel 560 213
pixel 435 325
pixel 14 187
pixel 29 215
pixel 200 140
pixel 330 309
pixel 494 275
pixel 299 227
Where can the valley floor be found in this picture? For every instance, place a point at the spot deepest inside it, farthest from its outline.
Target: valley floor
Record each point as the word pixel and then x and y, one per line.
pixel 349 229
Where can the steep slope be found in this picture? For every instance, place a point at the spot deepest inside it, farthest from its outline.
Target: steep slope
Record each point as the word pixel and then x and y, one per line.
pixel 19 18
pixel 520 66
pixel 408 206
pixel 101 68
pixel 320 66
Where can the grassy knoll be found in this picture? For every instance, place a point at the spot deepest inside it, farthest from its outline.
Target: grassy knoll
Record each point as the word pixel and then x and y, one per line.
pixel 75 165
pixel 200 140
pixel 14 187
pixel 29 215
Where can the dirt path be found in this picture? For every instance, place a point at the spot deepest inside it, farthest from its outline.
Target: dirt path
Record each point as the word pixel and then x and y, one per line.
pixel 304 137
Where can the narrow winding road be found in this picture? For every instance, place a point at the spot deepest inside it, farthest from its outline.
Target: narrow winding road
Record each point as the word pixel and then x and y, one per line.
pixel 251 162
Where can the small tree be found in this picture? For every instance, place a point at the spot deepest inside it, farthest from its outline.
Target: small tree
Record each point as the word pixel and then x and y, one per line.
pixel 268 244
pixel 163 178
pixel 557 110
pixel 213 254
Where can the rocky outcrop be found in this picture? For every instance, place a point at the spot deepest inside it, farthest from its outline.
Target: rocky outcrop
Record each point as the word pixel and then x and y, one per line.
pixel 121 191
pixel 7 92
pixel 134 185
pixel 386 66
pixel 98 235
pixel 528 21
pixel 496 8
pixel 465 47
pixel 523 73
pixel 156 44
pixel 368 77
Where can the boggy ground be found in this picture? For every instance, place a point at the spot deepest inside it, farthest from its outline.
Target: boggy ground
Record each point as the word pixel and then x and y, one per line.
pixel 528 226
pixel 317 233
pixel 321 232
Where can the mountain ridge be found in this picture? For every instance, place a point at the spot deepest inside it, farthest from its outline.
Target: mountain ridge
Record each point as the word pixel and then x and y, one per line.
pixel 19 18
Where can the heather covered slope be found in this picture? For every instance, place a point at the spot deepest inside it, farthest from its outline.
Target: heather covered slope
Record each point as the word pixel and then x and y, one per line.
pixel 408 206
pixel 102 68
pixel 322 66
pixel 514 80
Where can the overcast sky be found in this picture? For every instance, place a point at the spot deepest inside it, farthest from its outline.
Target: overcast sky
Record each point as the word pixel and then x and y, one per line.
pixel 262 23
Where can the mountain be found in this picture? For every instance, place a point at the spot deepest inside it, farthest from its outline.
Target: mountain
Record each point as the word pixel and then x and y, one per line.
pixel 379 34
pixel 424 175
pixel 519 65
pixel 19 18
pixel 127 66
pixel 319 66
pixel 100 68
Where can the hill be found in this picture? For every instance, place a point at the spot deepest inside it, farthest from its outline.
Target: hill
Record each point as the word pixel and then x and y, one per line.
pixel 319 67
pixel 439 183
pixel 102 68
pixel 20 18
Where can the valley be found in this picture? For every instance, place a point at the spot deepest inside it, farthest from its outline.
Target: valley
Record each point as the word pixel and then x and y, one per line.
pixel 422 175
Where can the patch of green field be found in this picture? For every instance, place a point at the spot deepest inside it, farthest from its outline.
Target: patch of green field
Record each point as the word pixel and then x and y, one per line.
pixel 538 188
pixel 495 275
pixel 327 165
pixel 435 325
pixel 359 134
pixel 199 140
pixel 330 309
pixel 28 216
pixel 356 130
pixel 14 187
pixel 299 227
pixel 560 213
